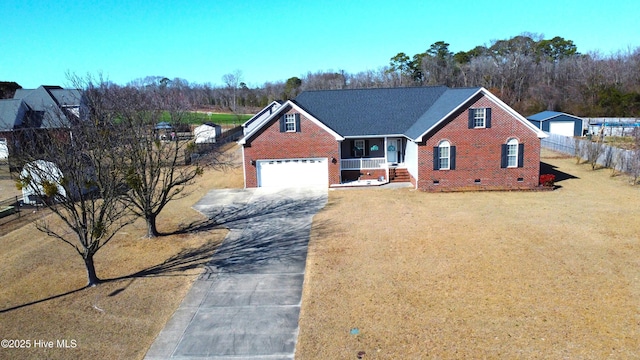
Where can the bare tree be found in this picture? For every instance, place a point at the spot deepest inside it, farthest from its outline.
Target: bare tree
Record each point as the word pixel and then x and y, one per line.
pixel 633 166
pixel 150 150
pixel 72 170
pixel 232 81
pixel 593 151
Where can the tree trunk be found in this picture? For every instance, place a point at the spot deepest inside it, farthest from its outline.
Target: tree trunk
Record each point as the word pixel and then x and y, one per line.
pixel 91 271
pixel 152 230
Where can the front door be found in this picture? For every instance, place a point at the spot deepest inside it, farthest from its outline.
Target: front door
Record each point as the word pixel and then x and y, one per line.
pixel 393 149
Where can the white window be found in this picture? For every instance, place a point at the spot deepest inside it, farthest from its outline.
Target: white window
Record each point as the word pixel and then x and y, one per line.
pixel 290 122
pixel 512 153
pixel 444 155
pixel 479 118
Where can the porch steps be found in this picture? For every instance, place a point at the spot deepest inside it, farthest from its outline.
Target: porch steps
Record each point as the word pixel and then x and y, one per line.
pixel 399 175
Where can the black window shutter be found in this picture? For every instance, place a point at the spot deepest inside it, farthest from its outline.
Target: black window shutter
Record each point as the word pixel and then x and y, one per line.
pixel 352 145
pixel 297 122
pixel 452 157
pixel 503 156
pixel 520 155
pixel 365 151
pixel 487 119
pixel 436 158
pixel 471 122
pixel 282 125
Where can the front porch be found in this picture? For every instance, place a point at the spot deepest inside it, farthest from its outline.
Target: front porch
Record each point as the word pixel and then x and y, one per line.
pixel 373 161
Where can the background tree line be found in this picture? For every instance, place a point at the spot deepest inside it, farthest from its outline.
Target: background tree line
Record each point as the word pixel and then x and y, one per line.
pixel 528 72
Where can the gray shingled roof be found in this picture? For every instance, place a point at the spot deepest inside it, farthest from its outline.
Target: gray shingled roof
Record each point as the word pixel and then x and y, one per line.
pixel 45 101
pixel 388 111
pixel 445 104
pixel 11 113
pixel 67 97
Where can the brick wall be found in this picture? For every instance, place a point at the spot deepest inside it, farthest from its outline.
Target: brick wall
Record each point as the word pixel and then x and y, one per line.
pixel 478 153
pixel 311 142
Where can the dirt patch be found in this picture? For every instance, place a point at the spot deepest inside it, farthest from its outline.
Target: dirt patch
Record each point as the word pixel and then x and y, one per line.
pixel 43 296
pixel 402 274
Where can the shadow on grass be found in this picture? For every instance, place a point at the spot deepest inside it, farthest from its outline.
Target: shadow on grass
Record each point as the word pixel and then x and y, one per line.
pixel 174 266
pixel 187 259
pixel 553 170
pixel 275 231
pixel 43 300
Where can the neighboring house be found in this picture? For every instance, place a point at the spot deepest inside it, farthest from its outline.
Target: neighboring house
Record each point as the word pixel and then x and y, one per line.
pixel 207 133
pixel 437 138
pixel 47 108
pixel 258 118
pixel 557 123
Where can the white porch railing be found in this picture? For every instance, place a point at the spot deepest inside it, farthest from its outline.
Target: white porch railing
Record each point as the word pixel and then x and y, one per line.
pixel 362 163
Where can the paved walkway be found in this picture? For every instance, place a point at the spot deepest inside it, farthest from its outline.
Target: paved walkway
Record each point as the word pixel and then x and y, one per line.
pixel 247 303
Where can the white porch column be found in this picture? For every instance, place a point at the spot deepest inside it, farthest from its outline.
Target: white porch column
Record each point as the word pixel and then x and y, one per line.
pixel 386 159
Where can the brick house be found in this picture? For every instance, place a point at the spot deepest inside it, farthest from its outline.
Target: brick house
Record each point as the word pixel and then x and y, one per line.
pixel 437 138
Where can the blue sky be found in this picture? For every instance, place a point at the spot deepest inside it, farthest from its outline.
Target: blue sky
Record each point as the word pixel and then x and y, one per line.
pixel 200 41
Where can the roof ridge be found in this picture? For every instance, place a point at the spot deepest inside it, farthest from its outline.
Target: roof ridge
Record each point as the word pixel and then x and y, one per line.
pixel 380 88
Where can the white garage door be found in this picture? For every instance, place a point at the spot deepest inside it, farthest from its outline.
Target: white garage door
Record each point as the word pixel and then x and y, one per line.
pixel 293 172
pixel 561 127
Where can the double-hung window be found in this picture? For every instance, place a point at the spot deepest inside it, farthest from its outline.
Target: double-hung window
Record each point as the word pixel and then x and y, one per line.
pixel 444 156
pixel 290 122
pixel 512 154
pixel 444 148
pixel 479 118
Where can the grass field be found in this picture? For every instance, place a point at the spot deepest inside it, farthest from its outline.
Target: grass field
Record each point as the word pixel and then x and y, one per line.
pixel 491 275
pixel 197 118
pixel 396 274
pixel 43 295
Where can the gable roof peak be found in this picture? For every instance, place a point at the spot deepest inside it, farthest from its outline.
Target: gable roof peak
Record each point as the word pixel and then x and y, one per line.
pixel 376 111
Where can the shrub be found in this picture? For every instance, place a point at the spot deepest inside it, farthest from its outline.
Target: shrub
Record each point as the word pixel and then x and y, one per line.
pixel 547 180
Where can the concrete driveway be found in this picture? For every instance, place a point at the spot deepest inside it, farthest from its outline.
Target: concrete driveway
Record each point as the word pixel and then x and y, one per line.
pixel 247 303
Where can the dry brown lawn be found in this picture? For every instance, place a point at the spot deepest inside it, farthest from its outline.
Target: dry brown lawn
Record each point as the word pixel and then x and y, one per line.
pixel 43 295
pixel 496 275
